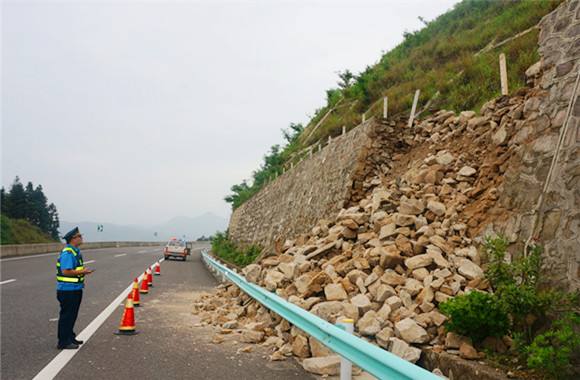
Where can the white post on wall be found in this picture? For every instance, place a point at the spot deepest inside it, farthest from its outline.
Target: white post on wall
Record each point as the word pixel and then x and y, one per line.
pixel 310 152
pixel 503 74
pixel 329 139
pixel 385 107
pixel 343 129
pixel 292 165
pixel 414 108
pixel 319 147
pixel 364 117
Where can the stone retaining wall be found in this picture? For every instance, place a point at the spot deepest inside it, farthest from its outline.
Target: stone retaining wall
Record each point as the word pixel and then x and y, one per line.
pixel 317 188
pixel 556 225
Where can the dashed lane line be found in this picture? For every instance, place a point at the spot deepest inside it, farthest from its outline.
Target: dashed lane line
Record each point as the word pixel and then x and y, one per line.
pixel 121 254
pixel 57 364
pixel 7 281
pixel 90 261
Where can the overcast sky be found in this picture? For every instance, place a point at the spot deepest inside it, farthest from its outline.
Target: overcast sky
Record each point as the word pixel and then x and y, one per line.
pixel 136 112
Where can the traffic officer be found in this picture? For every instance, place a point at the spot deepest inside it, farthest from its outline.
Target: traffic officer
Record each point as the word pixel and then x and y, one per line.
pixel 70 277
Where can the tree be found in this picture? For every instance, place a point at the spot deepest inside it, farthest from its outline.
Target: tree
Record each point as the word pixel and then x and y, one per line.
pixel 346 77
pixel 2 199
pixel 16 201
pixel 291 134
pixel 54 222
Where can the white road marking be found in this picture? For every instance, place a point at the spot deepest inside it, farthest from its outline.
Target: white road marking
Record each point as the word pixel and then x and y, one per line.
pixel 90 261
pixel 57 364
pixel 142 251
pixel 121 254
pixel 53 319
pixel 7 281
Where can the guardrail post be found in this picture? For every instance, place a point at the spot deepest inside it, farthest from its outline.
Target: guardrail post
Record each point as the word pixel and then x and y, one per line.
pixel 346 365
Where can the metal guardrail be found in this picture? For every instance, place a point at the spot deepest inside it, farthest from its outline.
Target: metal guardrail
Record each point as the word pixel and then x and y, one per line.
pixel 378 362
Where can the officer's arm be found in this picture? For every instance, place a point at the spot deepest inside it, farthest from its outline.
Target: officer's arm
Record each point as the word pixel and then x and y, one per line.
pixel 67 263
pixel 72 272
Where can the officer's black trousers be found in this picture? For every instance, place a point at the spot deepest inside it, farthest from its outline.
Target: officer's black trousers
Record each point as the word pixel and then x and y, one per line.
pixel 70 302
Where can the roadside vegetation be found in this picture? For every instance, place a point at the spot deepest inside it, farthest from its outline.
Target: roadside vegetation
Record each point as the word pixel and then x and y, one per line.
pixel 26 215
pixel 452 60
pixel 230 252
pixel 544 324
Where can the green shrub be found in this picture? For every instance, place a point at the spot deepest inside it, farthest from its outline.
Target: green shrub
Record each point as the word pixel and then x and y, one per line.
pixel 476 315
pixel 552 352
pixel 517 285
pixel 228 251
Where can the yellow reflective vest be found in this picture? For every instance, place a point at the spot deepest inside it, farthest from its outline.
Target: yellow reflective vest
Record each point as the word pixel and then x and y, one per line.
pixel 60 277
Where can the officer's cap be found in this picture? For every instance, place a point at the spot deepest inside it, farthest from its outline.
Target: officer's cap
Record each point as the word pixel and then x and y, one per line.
pixel 69 235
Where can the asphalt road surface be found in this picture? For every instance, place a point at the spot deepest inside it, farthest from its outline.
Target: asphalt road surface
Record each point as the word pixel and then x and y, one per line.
pixel 29 308
pixel 168 346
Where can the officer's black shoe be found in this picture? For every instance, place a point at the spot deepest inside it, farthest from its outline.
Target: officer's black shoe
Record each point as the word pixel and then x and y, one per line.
pixel 70 346
pixel 79 342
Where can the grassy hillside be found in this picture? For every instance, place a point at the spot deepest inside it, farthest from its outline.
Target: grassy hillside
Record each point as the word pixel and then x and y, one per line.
pixel 442 58
pixel 453 60
pixel 19 231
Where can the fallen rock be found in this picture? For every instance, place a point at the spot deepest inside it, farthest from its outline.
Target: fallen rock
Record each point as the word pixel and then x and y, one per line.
pixel 467 351
pixel 251 336
pixel 369 324
pixel 403 350
pixel 326 365
pixel 418 261
pixel 411 332
pixel 335 292
pixel 470 270
pixel 467 171
pixel 437 208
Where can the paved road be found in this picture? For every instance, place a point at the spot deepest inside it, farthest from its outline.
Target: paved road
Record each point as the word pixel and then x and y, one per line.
pixel 168 345
pixel 29 309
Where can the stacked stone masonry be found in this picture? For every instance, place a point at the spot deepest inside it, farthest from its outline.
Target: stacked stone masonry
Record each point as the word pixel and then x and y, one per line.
pixel 554 110
pixel 317 187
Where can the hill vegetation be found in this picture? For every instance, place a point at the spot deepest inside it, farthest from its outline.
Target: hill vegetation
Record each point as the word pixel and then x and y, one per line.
pixel 452 60
pixel 26 215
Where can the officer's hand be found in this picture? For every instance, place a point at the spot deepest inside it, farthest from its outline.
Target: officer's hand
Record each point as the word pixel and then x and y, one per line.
pixel 88 271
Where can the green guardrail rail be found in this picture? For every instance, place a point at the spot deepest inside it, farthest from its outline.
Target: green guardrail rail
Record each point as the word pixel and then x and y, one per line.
pixel 380 363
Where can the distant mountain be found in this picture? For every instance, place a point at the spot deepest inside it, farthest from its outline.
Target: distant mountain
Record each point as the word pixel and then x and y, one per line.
pixel 192 228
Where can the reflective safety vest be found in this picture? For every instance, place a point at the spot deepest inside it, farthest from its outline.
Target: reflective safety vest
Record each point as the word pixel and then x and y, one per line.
pixel 60 277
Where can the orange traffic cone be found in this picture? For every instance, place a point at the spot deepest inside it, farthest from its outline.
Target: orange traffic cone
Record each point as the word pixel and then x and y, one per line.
pixel 127 326
pixel 158 269
pixel 144 285
pixel 135 293
pixel 149 278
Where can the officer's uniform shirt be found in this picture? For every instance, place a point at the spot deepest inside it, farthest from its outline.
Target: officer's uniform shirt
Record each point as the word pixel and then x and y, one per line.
pixel 68 261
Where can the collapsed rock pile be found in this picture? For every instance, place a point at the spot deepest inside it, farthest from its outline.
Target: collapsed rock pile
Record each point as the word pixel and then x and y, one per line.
pixel 391 258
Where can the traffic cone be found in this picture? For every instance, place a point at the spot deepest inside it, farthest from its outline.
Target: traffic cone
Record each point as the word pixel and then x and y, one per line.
pixel 149 277
pixel 144 285
pixel 158 269
pixel 135 293
pixel 127 326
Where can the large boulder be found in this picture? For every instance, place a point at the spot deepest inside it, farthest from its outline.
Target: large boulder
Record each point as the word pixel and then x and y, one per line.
pixel 411 332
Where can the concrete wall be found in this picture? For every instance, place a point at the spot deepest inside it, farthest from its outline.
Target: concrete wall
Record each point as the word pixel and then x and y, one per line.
pixel 556 225
pixel 14 250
